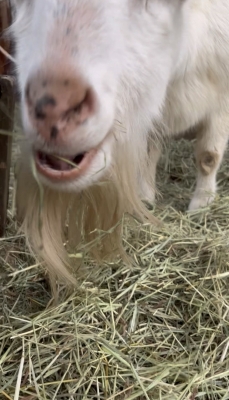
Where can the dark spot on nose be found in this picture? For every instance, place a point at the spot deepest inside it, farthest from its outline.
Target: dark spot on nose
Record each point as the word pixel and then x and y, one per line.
pixel 66 82
pixel 41 104
pixel 44 83
pixel 54 132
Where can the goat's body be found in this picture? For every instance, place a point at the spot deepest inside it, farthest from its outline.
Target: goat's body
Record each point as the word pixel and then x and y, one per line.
pixel 198 93
pixel 191 92
pixel 199 86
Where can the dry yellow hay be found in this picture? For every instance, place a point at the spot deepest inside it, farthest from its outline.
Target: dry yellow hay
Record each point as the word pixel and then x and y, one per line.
pixel 156 331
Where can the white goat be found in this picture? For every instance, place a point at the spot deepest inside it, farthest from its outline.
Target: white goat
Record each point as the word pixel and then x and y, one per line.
pixel 102 82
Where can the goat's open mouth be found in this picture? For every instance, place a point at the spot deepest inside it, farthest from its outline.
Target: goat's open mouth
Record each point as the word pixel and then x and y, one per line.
pixel 57 167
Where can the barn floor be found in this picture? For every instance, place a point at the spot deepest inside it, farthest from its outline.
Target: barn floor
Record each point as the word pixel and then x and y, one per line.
pixel 157 331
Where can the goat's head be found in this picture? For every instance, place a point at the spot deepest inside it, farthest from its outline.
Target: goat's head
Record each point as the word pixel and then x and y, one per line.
pixel 82 64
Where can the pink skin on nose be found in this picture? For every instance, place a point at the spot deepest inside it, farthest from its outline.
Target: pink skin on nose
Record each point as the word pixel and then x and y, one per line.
pixel 58 103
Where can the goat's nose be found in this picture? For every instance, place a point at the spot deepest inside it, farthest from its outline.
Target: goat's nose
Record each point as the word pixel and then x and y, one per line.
pixel 57 105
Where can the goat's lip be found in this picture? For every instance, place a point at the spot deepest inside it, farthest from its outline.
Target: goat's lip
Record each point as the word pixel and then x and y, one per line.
pixel 62 168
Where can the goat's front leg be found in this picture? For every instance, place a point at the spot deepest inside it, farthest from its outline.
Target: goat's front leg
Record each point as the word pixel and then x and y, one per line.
pixel 148 187
pixel 210 146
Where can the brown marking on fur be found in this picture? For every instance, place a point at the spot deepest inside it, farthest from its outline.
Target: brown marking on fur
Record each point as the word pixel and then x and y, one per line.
pixel 208 161
pixel 212 78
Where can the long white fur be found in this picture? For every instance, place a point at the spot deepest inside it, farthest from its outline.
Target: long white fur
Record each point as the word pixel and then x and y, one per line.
pixel 160 68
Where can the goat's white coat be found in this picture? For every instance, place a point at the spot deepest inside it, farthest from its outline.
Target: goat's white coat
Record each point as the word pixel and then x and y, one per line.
pixel 160 68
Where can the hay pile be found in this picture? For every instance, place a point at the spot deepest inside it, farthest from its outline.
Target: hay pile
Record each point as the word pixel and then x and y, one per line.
pixel 158 330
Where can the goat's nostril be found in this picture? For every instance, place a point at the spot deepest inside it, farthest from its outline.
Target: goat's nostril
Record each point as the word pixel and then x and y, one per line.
pixel 81 109
pixel 41 104
pixel 39 114
pixel 77 108
pixel 57 104
pixel 73 110
pixel 54 132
